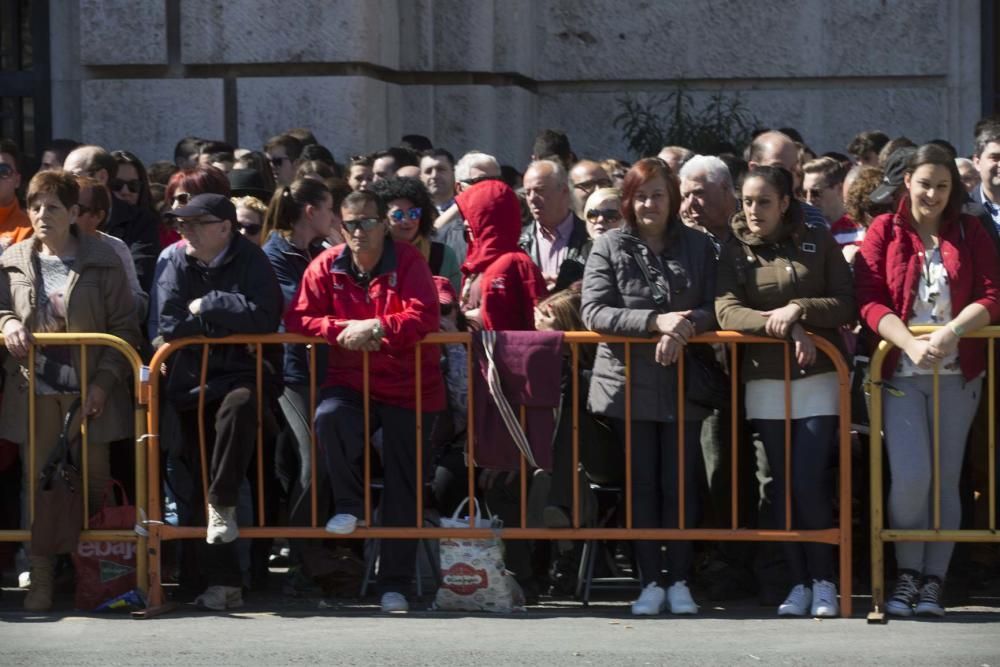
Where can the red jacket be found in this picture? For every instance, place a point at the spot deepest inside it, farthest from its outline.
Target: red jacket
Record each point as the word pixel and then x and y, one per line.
pixel 888 267
pixel 510 283
pixel 402 296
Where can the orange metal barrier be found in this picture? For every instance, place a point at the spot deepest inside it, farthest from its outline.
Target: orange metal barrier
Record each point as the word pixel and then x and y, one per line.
pixel 879 533
pixel 840 536
pixel 83 341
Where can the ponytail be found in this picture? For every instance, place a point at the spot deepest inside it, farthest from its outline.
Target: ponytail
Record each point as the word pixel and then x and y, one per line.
pixel 288 205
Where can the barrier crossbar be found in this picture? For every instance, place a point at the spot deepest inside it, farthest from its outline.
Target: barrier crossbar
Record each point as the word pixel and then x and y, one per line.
pixel 880 534
pixel 83 341
pixel 839 535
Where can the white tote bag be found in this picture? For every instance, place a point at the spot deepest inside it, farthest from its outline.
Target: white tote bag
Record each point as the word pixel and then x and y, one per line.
pixel 473 576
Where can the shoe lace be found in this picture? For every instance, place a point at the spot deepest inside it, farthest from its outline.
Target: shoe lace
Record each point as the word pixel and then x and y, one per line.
pixel 930 591
pixel 649 593
pixel 906 587
pixel 215 518
pixel 824 592
pixel 797 596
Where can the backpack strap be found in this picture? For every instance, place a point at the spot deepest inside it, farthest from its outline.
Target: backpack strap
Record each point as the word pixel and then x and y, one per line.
pixel 436 258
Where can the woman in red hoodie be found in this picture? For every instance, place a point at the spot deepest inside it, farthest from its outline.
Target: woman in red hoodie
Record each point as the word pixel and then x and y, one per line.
pixel 502 285
pixel 927 264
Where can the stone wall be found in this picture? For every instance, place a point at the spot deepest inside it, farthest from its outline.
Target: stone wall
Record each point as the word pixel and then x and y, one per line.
pixel 488 74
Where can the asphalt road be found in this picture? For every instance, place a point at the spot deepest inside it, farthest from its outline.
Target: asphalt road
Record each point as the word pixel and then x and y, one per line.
pixel 305 633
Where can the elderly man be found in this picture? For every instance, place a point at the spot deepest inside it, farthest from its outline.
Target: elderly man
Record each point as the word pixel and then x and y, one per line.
pixel 14 223
pixel 135 225
pixel 776 149
pixel 376 296
pixel 218 284
pixel 586 176
pixel 556 239
pixel 707 197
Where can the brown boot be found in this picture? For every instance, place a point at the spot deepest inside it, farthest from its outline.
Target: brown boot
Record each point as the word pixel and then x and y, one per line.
pixel 39 597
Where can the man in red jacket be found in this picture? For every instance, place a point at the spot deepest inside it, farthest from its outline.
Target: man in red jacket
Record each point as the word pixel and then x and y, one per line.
pixel 376 296
pixel 502 285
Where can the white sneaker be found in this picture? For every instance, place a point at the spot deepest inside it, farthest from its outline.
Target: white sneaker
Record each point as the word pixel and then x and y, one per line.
pixel 220 598
pixel 24 579
pixel 679 597
pixel 222 527
pixel 824 596
pixel 798 602
pixel 343 524
pixel 651 601
pixel 394 602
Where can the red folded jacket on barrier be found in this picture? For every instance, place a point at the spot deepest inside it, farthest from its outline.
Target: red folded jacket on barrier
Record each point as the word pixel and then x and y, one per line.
pixel 529 366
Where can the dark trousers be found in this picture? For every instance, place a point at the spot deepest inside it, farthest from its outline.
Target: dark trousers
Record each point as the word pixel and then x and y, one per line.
pixel 230 438
pixel 813 445
pixel 340 430
pixel 655 494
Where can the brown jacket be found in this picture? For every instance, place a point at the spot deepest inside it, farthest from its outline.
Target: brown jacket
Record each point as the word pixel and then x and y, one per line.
pixel 804 266
pixel 98 300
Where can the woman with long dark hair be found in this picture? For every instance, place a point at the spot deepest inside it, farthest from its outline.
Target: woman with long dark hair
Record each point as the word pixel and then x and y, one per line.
pixel 652 277
pixel 927 263
pixel 784 278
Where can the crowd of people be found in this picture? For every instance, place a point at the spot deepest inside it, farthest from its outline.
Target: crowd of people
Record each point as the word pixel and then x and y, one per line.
pixel 373 254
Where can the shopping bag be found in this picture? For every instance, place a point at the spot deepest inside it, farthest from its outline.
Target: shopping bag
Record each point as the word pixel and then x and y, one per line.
pixel 473 575
pixel 105 571
pixel 59 496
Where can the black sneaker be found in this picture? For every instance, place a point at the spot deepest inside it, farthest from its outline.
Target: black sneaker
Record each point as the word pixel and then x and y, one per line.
pixel 929 602
pixel 904 596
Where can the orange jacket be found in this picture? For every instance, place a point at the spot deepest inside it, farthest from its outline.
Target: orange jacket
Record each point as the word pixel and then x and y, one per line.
pixel 14 225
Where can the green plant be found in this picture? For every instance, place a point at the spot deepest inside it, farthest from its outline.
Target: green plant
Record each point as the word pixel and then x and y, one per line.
pixel 672 120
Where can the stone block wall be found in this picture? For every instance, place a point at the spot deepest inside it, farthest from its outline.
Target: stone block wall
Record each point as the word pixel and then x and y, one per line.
pixel 489 74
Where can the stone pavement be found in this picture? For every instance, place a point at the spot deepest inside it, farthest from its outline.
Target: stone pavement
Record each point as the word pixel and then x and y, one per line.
pixel 274 630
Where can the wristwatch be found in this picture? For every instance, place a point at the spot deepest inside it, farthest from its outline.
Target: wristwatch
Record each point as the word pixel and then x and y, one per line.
pixel 377 331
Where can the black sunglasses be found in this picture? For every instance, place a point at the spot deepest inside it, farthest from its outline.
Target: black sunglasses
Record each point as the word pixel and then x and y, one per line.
pixel 364 224
pixel 250 230
pixel 609 214
pixel 182 198
pixel 278 161
pixel 133 185
pixel 6 171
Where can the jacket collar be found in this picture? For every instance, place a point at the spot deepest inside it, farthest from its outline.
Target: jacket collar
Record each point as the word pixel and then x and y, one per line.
pixel 90 252
pixel 387 263
pixel 278 242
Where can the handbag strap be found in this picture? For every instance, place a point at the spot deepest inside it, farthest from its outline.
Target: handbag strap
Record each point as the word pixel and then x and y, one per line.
pixel 660 298
pixel 62 450
pixel 510 420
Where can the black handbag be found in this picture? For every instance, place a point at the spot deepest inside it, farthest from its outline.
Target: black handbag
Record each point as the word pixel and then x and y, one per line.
pixel 705 383
pixel 59 496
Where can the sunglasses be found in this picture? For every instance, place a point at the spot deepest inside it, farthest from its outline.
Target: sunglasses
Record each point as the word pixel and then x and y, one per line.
pixel 400 215
pixel 278 161
pixel 609 214
pixel 133 185
pixel 364 224
pixel 250 230
pixel 6 171
pixel 590 186
pixel 182 198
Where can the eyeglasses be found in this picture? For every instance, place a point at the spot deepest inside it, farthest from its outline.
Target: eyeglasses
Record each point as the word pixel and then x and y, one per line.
pixel 399 215
pixel 133 185
pixel 364 224
pixel 196 223
pixel 278 161
pixel 250 230
pixel 609 214
pixel 182 198
pixel 590 186
pixel 6 171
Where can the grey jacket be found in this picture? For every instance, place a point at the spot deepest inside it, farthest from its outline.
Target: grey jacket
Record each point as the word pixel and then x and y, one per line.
pixel 617 300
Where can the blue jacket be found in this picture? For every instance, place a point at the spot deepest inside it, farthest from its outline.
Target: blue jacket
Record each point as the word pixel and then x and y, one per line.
pixel 239 296
pixel 289 265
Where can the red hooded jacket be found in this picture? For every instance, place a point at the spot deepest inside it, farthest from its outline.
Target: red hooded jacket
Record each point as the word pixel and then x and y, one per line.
pixel 888 266
pixel 403 298
pixel 510 283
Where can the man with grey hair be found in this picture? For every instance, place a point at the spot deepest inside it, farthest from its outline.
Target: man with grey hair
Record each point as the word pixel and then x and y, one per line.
pixel 135 225
pixel 707 197
pixel 449 228
pixel 556 239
